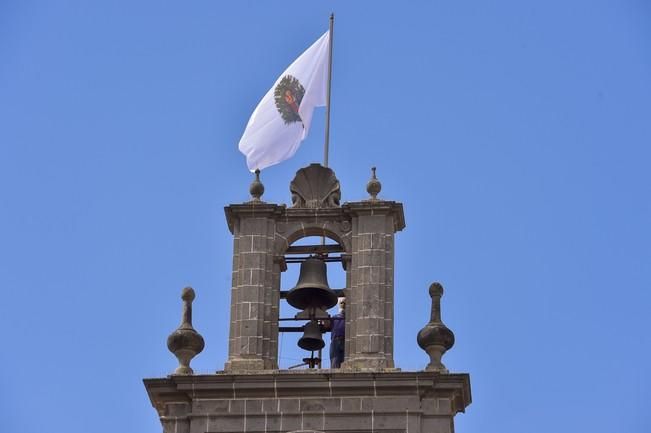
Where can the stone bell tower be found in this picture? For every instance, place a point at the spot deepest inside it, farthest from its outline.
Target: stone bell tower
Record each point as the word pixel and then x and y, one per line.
pixel 368 393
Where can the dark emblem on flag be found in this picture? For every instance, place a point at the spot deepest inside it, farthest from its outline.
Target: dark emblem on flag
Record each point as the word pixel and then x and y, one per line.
pixel 288 95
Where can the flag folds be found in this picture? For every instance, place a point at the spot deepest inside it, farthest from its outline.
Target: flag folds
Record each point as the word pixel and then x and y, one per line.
pixel 282 118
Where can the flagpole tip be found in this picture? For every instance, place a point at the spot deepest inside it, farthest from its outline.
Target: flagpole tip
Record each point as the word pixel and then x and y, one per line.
pixel 332 16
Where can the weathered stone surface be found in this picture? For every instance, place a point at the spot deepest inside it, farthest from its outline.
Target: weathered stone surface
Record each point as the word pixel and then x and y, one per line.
pixel 338 402
pixel 370 346
pixel 252 340
pixel 435 338
pixel 185 342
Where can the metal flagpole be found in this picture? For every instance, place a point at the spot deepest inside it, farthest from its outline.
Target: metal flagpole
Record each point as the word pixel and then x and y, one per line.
pixel 327 121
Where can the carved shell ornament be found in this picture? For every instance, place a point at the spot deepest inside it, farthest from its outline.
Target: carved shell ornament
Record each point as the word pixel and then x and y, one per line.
pixel 315 186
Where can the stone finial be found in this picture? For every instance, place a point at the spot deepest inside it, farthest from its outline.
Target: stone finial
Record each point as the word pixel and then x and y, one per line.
pixel 257 188
pixel 373 186
pixel 315 186
pixel 185 343
pixel 435 338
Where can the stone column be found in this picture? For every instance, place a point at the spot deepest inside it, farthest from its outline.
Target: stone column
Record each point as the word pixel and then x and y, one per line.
pixel 251 343
pixel 370 303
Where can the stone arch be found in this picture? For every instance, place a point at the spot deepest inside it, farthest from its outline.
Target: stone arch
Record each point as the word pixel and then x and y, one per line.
pixel 288 233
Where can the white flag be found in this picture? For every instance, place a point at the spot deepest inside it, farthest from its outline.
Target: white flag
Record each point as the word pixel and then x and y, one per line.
pixel 282 118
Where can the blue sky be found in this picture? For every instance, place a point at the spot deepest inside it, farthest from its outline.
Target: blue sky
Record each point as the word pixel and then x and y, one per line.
pixel 515 133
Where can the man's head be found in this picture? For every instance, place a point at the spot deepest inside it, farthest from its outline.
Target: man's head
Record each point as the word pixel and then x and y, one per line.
pixel 342 304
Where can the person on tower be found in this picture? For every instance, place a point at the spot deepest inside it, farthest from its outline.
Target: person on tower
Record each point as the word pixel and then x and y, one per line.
pixel 338 335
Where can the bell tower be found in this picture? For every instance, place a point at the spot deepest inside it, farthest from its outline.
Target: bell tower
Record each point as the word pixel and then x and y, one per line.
pixel 263 234
pixel 368 393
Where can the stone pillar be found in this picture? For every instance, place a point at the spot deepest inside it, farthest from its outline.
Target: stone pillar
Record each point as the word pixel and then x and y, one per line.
pixel 370 303
pixel 251 340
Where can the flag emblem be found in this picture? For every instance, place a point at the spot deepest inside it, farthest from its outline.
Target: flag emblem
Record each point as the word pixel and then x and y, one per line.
pixel 288 95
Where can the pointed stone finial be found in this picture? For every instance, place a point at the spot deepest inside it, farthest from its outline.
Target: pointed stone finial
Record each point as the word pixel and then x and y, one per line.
pixel 257 188
pixel 373 186
pixel 435 338
pixel 185 343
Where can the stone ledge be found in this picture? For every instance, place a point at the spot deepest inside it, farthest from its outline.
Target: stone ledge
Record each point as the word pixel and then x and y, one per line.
pixel 320 383
pixel 251 210
pixel 378 207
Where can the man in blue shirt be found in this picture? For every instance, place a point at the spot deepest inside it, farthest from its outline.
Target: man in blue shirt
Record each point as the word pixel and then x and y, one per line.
pixel 338 335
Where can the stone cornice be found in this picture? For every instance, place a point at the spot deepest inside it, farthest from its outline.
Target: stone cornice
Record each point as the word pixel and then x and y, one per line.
pixel 284 384
pixel 280 212
pixel 378 207
pixel 250 209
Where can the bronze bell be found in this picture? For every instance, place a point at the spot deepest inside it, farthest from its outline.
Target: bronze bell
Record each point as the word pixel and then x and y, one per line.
pixel 311 339
pixel 312 289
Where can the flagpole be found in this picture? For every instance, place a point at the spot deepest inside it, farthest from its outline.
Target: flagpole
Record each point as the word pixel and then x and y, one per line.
pixel 327 120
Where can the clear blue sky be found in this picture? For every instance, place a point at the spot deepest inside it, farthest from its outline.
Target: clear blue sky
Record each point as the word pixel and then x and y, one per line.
pixel 517 135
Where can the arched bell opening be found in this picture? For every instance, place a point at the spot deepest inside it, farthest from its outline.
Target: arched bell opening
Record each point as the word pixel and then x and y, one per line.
pixel 314 269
